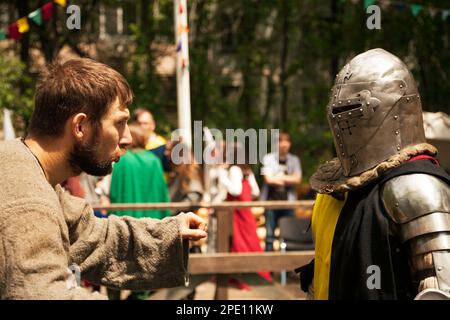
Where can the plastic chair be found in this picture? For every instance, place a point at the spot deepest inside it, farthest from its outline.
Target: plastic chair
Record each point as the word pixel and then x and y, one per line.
pixel 295 235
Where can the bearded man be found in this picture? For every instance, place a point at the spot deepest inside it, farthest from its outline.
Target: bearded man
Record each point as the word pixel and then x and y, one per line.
pixel 79 125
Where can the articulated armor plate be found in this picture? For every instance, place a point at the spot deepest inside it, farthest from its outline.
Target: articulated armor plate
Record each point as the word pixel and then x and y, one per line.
pixel 419 205
pixel 374 111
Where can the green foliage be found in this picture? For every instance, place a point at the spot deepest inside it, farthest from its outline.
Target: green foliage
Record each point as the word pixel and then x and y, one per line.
pixel 13 76
pixel 262 63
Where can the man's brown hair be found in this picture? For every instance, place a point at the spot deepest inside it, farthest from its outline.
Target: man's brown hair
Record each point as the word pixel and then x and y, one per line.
pixel 78 85
pixel 138 112
pixel 284 136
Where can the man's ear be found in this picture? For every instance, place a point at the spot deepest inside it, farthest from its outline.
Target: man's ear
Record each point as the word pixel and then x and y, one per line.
pixel 79 126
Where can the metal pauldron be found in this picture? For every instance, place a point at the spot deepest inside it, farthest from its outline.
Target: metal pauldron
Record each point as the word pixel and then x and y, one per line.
pixel 419 205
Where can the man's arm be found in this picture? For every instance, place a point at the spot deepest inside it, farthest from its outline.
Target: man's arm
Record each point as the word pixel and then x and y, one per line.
pixel 34 263
pixel 129 253
pixel 268 171
pixel 295 177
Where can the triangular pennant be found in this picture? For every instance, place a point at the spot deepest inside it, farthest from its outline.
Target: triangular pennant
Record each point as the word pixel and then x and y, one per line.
pixel 368 3
pixel 47 11
pixel 13 31
pixel 179 47
pixel 2 35
pixel 182 29
pixel 415 9
pixel 22 25
pixel 445 14
pixel 433 12
pixel 36 16
pixel 62 3
pixel 181 8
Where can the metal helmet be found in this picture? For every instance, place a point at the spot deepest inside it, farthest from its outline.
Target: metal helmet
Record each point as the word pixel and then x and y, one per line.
pixel 374 111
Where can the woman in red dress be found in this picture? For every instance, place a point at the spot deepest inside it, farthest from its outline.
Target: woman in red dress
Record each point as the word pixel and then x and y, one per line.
pixel 241 185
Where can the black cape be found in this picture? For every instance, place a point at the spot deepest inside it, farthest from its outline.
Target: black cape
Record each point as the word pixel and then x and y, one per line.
pixel 363 238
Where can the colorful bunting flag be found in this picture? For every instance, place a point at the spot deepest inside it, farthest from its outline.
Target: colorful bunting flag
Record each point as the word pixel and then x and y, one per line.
pixel 368 3
pixel 13 31
pixel 2 35
pixel 181 8
pixel 36 16
pixel 22 25
pixel 62 3
pixel 415 9
pixel 179 47
pixel 47 11
pixel 182 29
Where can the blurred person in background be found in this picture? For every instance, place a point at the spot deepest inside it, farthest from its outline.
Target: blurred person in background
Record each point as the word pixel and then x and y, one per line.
pixel 241 185
pixel 282 173
pixel 155 142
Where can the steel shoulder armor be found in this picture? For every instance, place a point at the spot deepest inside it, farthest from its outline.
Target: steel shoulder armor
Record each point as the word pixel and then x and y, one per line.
pixel 419 205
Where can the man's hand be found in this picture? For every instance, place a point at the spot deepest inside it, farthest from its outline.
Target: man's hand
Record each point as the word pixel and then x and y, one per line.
pixel 192 227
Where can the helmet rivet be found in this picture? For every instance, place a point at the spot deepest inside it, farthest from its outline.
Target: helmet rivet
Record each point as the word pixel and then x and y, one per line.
pixel 395 117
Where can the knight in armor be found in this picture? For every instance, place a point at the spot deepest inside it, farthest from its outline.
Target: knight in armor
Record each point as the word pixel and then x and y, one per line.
pixel 381 220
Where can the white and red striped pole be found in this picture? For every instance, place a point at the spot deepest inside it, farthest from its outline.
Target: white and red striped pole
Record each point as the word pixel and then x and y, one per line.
pixel 182 67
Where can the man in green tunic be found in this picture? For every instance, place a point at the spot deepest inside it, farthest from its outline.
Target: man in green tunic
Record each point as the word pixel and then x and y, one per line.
pixel 139 178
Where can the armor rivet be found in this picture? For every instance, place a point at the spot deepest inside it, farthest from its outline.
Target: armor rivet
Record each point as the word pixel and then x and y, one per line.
pixel 396 132
pixel 368 103
pixel 349 113
pixel 335 96
pixel 395 117
pixel 440 269
pixel 361 109
pixel 396 204
pixel 407 99
pixel 339 116
pixel 340 102
pixel 338 135
pixel 401 86
pixel 348 101
pixel 340 145
pixel 334 104
pixel 343 154
pixel 398 148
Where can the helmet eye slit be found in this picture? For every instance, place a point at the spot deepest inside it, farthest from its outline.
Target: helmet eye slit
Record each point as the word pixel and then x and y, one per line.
pixel 346 108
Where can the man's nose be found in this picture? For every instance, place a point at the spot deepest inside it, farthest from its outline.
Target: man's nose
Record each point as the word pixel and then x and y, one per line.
pixel 126 139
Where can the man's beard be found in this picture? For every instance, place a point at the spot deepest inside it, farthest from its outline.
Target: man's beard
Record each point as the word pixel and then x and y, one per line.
pixel 83 158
